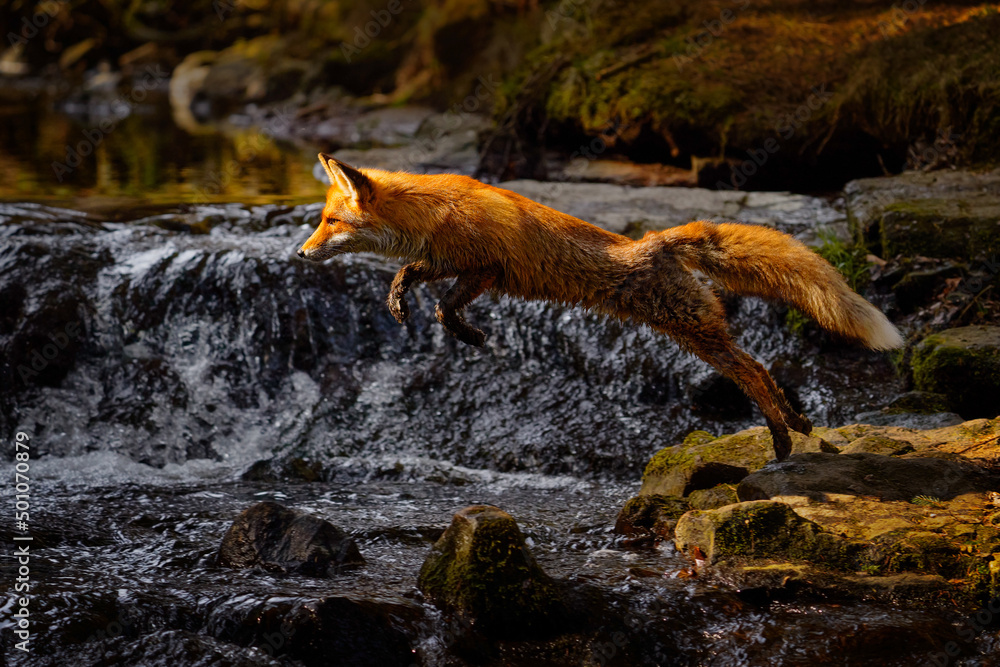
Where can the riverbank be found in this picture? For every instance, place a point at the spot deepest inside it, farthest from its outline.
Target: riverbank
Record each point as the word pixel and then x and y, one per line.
pixel 785 96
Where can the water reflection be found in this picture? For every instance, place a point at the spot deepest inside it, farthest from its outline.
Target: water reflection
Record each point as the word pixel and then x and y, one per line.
pixel 138 153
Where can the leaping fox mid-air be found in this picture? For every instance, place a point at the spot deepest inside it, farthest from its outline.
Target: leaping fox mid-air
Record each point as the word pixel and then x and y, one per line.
pixel 490 239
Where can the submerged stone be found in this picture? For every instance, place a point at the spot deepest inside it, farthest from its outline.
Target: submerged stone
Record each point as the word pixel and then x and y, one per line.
pixel 964 364
pixel 280 539
pixel 482 570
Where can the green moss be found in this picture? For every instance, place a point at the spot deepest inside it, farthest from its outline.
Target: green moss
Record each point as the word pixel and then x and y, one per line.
pixel 926 80
pixel 765 529
pixel 718 496
pixel 964 365
pixel 698 438
pixel 482 568
pixel 666 460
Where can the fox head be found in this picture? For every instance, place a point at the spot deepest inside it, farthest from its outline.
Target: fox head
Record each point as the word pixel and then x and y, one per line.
pixel 349 222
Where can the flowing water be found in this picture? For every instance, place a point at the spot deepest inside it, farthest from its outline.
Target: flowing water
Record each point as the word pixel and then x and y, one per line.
pixel 173 363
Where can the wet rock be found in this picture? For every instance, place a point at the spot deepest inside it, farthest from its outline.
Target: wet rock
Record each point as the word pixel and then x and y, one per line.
pixel 920 410
pixel 710 499
pixel 285 540
pixel 877 444
pixel 759 529
pixel 916 288
pixel 964 364
pixel 936 214
pixel 482 570
pixel 340 629
pixel 285 468
pixel 815 475
pixel 633 212
pixel 702 463
pixel 651 515
pixel 849 523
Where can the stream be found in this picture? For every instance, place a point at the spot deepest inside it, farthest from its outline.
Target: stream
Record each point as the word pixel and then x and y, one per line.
pixel 205 368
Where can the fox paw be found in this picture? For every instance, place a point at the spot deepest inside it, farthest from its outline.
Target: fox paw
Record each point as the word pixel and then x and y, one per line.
pixel 398 308
pixel 782 443
pixel 471 336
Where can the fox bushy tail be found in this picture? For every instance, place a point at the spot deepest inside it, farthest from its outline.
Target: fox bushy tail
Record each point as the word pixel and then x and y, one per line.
pixel 759 261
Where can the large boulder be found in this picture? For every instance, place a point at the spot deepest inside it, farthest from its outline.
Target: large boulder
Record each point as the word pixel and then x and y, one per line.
pixel 280 539
pixel 900 513
pixel 815 476
pixel 482 570
pixel 760 529
pixel 954 214
pixel 703 461
pixel 964 364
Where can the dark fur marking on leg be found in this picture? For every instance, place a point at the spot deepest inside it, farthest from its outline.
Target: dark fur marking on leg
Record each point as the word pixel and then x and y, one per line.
pixel 465 290
pixel 405 278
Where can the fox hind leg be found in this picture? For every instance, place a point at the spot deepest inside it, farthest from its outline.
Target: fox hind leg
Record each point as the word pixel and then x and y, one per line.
pixel 714 345
pixel 674 302
pixel 466 289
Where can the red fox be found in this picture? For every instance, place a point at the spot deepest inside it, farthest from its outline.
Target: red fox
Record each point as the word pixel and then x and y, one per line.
pixel 490 239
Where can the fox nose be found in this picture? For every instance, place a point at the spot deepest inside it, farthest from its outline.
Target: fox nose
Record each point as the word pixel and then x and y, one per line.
pixel 302 253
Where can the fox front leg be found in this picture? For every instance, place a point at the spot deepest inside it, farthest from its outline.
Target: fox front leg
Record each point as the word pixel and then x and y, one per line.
pixel 449 311
pixel 416 272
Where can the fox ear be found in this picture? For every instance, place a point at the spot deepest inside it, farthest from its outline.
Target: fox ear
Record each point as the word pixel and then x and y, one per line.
pixel 354 184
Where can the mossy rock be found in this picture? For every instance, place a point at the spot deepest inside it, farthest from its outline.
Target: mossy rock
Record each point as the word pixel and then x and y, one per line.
pixel 919 402
pixel 761 529
pixel 481 569
pixel 941 228
pixel 941 214
pixel 877 444
pixel 651 515
pixel 714 498
pixel 917 288
pixel 963 364
pixel 703 461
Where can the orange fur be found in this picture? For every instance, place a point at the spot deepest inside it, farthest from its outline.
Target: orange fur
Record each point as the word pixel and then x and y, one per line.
pixel 448 226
